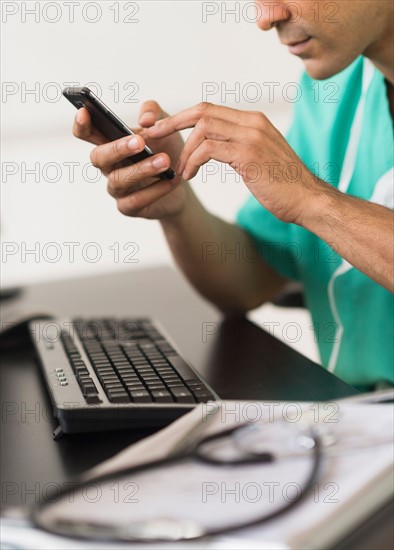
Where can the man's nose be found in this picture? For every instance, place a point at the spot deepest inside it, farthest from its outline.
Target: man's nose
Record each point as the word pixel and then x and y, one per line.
pixel 270 13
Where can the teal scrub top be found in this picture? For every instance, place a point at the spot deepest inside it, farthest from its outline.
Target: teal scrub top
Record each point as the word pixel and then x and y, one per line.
pixel 343 131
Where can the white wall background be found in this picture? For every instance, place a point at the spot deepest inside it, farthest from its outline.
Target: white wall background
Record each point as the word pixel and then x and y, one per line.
pixel 170 50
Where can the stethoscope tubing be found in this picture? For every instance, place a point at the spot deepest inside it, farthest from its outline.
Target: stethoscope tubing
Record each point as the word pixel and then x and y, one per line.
pixel 194 454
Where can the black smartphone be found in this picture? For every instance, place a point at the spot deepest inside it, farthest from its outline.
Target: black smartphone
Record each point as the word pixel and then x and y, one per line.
pixel 110 125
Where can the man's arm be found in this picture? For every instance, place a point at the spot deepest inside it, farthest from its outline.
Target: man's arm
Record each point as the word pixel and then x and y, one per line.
pixel 361 232
pixel 211 254
pixel 249 143
pixel 230 281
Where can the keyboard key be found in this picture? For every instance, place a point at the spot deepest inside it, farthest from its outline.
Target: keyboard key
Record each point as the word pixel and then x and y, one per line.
pixel 92 399
pixel 130 377
pixel 87 382
pixel 82 371
pixel 196 388
pixel 101 362
pixel 165 372
pixel 162 396
pixel 172 385
pixel 109 376
pixel 117 361
pixel 181 367
pixel 203 396
pixel 112 386
pixel 156 386
pixel 118 396
pixel 85 386
pixel 123 372
pixel 106 371
pixel 182 395
pixel 140 396
pixel 77 361
pixel 132 382
pixel 134 386
pixel 103 366
pixel 129 346
pixel 196 382
pixel 146 369
pixel 89 389
pixel 111 383
pixel 146 345
pixel 121 361
pixel 83 377
pixel 169 376
pixel 134 391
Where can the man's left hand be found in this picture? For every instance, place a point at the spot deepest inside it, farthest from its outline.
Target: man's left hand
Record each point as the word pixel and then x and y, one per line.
pixel 253 147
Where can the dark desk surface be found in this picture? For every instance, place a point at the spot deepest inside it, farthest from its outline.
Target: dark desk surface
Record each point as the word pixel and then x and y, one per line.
pixel 239 359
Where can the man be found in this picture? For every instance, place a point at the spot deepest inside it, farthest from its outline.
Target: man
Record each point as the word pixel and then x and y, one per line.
pixel 333 233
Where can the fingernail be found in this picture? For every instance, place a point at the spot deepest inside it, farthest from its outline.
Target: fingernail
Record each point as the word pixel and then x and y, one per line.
pixel 78 116
pixel 149 116
pixel 159 162
pixel 133 143
pixel 180 167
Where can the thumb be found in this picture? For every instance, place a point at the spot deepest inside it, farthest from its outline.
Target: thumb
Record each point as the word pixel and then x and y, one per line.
pixel 150 112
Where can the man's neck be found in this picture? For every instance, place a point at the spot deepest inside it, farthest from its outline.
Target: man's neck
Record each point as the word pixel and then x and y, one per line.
pixel 381 53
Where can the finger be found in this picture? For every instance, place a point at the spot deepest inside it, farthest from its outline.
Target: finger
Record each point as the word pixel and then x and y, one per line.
pixel 150 113
pixel 190 117
pixel 126 180
pixel 134 204
pixel 210 149
pixel 216 129
pixel 107 155
pixel 83 128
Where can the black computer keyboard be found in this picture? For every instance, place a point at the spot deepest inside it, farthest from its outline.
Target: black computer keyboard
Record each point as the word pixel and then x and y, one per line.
pixel 105 374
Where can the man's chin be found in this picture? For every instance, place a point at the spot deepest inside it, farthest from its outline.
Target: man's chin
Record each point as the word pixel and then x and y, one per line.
pixel 326 67
pixel 318 70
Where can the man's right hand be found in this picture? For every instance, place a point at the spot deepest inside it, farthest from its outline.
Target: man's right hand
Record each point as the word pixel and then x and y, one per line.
pixel 137 188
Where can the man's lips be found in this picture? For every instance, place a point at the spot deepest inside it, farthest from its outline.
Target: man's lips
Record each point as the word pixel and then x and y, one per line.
pixel 297 47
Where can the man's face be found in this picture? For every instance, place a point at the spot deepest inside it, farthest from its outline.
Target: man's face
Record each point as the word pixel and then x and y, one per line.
pixel 326 35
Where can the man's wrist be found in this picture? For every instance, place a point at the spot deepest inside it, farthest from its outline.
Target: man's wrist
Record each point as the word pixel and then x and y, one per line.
pixel 178 219
pixel 321 201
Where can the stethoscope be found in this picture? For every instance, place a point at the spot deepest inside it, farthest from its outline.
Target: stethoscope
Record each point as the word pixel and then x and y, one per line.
pixel 173 530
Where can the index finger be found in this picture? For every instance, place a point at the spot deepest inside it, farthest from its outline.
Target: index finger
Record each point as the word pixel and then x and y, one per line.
pixel 190 117
pixel 150 112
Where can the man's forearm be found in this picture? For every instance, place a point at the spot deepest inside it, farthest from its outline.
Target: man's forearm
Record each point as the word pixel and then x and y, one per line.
pixel 211 253
pixel 361 232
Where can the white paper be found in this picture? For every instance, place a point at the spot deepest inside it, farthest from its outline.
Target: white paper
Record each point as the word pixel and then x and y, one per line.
pixel 354 479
